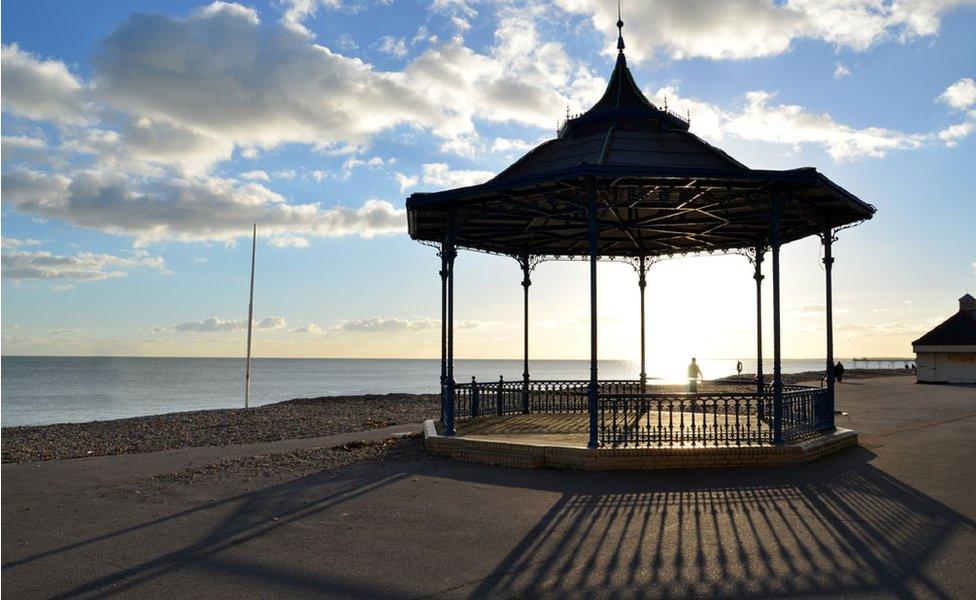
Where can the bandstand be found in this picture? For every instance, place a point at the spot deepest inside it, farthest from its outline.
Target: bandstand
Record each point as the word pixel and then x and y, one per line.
pixel 627 181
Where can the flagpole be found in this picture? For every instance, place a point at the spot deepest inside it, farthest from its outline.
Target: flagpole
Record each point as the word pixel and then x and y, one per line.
pixel 250 321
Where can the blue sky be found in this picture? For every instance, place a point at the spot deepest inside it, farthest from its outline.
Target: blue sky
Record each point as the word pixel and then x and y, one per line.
pixel 141 139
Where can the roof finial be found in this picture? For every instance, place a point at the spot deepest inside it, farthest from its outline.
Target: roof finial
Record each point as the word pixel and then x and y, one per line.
pixel 620 31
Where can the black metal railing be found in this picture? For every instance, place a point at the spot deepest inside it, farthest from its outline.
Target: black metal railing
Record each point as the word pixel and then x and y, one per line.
pixel 694 419
pixel 806 411
pixel 481 398
pixel 733 414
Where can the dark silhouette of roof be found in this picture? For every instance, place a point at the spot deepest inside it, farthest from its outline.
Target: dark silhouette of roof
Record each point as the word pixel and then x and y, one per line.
pixel 623 128
pixel 662 190
pixel 957 330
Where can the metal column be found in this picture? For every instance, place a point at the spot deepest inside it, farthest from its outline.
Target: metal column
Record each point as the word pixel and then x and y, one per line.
pixel 526 264
pixel 775 241
pixel 443 272
pixel 593 236
pixel 758 276
pixel 642 283
pixel 450 252
pixel 828 261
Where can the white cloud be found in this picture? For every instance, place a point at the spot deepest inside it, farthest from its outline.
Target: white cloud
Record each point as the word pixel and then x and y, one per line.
pixel 505 145
pixel 85 266
pixel 522 79
pixel 298 11
pixel 168 113
pixel 740 29
pixel 286 174
pixel 874 330
pixel 14 243
pixel 256 175
pixel 177 109
pixel 194 209
pixel 23 147
pixel 460 12
pixel 41 89
pixel 256 86
pixel 406 181
pixel 760 119
pixel 374 162
pixel 841 71
pixel 289 241
pixel 143 144
pixel 953 133
pixel 707 120
pixel 346 43
pixel 441 176
pixel 167 143
pixel 396 47
pixel 961 94
pixel 391 325
pixel 400 324
pixel 423 35
pixel 311 328
pixel 220 7
pixel 794 125
pixel 270 323
pixel 215 324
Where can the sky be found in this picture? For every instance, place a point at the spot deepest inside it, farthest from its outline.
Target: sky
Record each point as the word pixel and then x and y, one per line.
pixel 141 139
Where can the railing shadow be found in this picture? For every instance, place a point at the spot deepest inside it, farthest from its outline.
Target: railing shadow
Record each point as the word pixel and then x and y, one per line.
pixel 251 516
pixel 840 526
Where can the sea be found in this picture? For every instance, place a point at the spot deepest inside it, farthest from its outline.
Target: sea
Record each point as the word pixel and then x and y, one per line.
pixel 43 390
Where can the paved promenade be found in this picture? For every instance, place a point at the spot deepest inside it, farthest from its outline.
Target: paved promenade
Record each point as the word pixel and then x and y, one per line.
pixel 895 518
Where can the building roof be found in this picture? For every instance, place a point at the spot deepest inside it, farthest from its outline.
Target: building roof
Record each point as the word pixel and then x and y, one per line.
pixel 662 190
pixel 957 330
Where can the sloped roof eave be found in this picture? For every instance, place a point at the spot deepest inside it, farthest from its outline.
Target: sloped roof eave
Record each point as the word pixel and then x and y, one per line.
pixel 419 199
pixel 957 330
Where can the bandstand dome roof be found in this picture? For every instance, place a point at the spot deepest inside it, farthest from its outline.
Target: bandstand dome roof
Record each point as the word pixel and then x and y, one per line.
pixel 661 190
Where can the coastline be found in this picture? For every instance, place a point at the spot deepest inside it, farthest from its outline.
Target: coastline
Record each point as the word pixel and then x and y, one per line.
pixel 290 419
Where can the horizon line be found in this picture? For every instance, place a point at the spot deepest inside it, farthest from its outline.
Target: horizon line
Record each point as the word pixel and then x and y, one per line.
pixel 518 358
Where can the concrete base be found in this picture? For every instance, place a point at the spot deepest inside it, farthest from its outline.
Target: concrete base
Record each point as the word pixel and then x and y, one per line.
pixel 547 453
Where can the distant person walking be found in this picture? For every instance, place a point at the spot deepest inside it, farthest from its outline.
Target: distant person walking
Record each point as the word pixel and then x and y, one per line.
pixel 738 367
pixel 694 374
pixel 839 372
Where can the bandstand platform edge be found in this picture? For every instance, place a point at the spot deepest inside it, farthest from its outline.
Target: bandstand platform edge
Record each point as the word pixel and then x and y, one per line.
pixel 539 450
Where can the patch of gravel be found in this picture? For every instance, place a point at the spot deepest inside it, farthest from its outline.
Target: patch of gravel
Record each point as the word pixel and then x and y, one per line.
pixel 301 418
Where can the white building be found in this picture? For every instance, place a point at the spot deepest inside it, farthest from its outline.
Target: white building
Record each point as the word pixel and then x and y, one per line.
pixel 947 354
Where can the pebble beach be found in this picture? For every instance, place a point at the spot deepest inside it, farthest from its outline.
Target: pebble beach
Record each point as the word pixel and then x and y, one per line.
pixel 292 419
pixel 300 418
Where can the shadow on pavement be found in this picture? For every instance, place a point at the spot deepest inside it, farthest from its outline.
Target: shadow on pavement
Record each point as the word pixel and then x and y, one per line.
pixel 250 516
pixel 836 527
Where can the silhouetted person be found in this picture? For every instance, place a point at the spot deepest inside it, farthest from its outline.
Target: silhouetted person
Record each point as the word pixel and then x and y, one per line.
pixel 694 374
pixel 738 368
pixel 839 372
